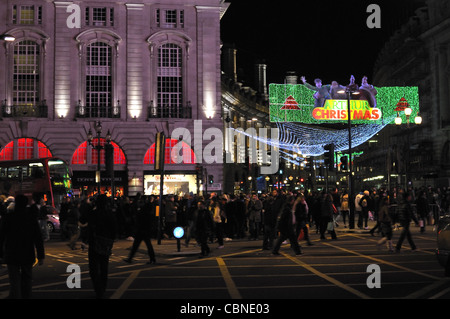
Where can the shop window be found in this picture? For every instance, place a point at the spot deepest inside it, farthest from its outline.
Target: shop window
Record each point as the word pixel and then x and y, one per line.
pixel 7 154
pixel 80 155
pixel 25 148
pixel 187 153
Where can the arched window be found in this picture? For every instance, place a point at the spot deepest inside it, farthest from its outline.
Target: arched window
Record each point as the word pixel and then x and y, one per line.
pixel 25 70
pixel 80 156
pixel 25 148
pixel 7 154
pixel 98 50
pixel 186 151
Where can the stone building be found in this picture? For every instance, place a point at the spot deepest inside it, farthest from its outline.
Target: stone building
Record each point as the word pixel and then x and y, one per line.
pixel 135 67
pixel 418 54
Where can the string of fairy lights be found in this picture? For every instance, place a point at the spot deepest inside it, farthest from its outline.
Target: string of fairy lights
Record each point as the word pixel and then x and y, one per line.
pixel 295 141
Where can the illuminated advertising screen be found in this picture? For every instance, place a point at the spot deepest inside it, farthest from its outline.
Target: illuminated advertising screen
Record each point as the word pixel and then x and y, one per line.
pixel 304 104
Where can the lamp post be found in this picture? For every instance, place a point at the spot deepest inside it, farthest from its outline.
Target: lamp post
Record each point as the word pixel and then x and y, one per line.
pixel 403 106
pixel 99 148
pixel 349 90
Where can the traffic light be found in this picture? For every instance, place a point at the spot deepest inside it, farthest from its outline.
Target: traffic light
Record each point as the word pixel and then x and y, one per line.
pixel 199 170
pixel 210 179
pixel 344 163
pixel 329 156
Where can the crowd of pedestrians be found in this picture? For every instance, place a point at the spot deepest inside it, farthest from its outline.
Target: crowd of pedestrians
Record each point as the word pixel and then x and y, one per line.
pixel 274 218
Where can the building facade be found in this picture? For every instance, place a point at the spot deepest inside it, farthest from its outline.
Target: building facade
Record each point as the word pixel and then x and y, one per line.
pixel 418 54
pixel 134 67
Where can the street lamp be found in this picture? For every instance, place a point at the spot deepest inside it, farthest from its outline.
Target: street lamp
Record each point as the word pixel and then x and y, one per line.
pixel 98 147
pixel 403 106
pixel 351 89
pixel 7 38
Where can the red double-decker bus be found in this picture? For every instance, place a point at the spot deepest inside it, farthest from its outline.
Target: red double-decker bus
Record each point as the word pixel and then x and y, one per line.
pixel 47 176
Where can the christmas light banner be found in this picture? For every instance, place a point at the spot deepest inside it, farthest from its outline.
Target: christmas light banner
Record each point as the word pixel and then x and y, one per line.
pixel 304 103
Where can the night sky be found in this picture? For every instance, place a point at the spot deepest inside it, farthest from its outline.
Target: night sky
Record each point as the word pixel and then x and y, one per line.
pixel 318 39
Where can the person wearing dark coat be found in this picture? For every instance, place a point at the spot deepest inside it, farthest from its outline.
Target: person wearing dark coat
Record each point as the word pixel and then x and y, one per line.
pixel 144 219
pixel 286 227
pixel 272 207
pixel 404 216
pixel 422 209
pixel 326 216
pixel 204 227
pixel 20 244
pixel 101 224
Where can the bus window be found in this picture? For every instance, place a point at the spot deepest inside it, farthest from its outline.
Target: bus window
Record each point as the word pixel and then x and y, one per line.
pixel 13 172
pixel 37 170
pixel 3 172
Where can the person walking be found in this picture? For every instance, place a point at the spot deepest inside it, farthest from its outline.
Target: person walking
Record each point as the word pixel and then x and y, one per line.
pixel 404 216
pixel 364 202
pixel 286 227
pixel 219 218
pixel 20 244
pixel 345 208
pixel 101 224
pixel 385 222
pixel 254 217
pixel 272 207
pixel 301 217
pixel 170 216
pixel 422 209
pixel 73 227
pixel 85 210
pixel 326 218
pixel 358 209
pixel 40 211
pixel 203 227
pixel 65 206
pixel 144 219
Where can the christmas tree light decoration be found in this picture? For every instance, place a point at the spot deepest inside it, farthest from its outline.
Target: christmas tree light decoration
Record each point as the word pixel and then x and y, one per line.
pixel 402 105
pixel 290 104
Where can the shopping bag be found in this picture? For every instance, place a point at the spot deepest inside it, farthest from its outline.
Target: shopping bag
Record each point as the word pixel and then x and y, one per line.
pixel 330 226
pixel 301 236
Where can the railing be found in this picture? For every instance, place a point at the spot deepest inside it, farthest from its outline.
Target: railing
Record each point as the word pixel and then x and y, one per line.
pixel 39 110
pixel 84 111
pixel 170 112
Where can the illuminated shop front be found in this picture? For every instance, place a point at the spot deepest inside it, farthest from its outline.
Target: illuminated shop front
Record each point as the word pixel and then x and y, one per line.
pixel 176 184
pixel 85 183
pixel 84 165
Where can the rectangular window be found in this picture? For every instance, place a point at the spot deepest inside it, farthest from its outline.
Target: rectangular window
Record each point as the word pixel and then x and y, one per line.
pixel 98 80
pixel 25 147
pixel 26 76
pixel 99 16
pixel 26 14
pixel 170 81
pixel 169 19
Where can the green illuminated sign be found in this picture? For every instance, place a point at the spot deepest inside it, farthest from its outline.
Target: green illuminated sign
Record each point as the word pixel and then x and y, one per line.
pixel 295 103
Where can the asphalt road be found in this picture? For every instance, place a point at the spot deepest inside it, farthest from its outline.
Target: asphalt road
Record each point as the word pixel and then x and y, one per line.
pixel 351 267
